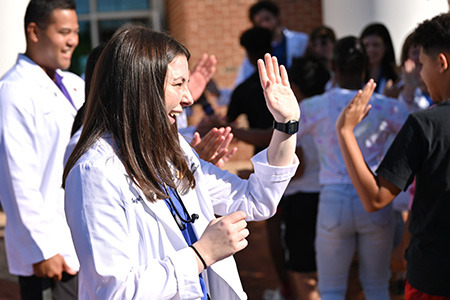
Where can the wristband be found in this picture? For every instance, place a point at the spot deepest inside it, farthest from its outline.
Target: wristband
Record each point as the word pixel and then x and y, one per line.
pixel 199 256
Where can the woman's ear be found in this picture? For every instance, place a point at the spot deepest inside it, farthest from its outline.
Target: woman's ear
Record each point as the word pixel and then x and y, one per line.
pixel 443 60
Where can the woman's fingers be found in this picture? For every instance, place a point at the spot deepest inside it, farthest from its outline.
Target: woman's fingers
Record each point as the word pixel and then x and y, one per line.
pixel 262 73
pixel 269 70
pixel 276 69
pixel 284 76
pixel 269 67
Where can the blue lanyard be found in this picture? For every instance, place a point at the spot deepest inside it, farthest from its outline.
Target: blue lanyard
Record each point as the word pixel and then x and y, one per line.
pixel 184 222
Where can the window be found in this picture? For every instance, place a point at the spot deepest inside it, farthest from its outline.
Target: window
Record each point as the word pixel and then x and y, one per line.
pixel 99 19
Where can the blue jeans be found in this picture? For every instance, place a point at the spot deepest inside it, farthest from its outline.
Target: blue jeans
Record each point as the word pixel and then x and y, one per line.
pixel 343 227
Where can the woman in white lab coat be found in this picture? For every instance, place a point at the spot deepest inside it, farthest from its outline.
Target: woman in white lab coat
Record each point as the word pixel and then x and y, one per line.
pixel 140 204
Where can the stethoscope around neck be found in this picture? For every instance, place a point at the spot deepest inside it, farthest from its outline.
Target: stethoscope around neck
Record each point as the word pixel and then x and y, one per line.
pixel 177 216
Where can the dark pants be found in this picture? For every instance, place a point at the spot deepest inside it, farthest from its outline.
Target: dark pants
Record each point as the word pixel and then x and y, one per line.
pixel 35 288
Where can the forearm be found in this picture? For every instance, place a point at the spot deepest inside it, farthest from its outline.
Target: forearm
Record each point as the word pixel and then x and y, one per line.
pixel 362 178
pixel 374 192
pixel 406 235
pixel 281 151
pixel 301 168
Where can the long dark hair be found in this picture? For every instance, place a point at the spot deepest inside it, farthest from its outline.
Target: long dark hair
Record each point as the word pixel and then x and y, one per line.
pixel 408 43
pixel 127 101
pixel 388 63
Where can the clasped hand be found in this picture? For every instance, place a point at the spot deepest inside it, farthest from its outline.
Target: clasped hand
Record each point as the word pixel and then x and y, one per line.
pixel 223 237
pixel 52 268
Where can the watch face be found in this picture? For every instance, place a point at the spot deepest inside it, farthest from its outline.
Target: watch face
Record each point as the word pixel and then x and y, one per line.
pixel 292 127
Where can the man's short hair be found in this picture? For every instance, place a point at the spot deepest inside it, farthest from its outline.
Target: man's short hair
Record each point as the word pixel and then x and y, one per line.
pixel 257 41
pixel 434 35
pixel 39 11
pixel 263 5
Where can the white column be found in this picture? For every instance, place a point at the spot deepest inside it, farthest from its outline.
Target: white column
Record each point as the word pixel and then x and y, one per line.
pixel 12 35
pixel 349 17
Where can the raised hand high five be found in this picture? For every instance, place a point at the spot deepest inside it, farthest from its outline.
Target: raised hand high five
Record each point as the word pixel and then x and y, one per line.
pixel 284 107
pixel 279 96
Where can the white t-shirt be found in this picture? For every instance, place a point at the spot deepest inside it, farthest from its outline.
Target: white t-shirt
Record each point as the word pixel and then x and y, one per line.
pixel 319 115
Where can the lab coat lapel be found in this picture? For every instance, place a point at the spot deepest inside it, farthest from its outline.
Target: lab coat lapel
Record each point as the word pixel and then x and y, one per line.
pixel 74 93
pixel 161 212
pixel 46 83
pixel 193 200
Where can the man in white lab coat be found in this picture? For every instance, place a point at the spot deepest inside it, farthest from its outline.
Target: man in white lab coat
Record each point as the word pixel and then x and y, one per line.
pixel 286 44
pixel 38 102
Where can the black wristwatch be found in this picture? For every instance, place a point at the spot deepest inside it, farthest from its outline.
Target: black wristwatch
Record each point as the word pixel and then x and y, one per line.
pixel 290 127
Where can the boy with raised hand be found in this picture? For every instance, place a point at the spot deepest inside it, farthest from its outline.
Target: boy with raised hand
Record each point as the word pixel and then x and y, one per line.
pixel 421 149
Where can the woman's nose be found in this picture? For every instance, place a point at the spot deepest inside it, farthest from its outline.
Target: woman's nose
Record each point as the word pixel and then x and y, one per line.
pixel 187 98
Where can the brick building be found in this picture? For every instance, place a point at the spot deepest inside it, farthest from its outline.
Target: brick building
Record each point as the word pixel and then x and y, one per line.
pixel 214 26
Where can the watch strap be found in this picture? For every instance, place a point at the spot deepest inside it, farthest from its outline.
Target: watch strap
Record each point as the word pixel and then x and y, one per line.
pixel 290 127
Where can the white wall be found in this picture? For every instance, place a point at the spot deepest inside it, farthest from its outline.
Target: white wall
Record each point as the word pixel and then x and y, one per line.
pixel 12 35
pixel 349 17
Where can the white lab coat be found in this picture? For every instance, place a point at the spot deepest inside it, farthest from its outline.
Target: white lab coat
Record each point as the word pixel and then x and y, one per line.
pixel 130 248
pixel 35 123
pixel 296 43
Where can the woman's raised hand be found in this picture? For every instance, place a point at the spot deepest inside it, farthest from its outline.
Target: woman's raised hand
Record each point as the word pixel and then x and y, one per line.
pixel 279 96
